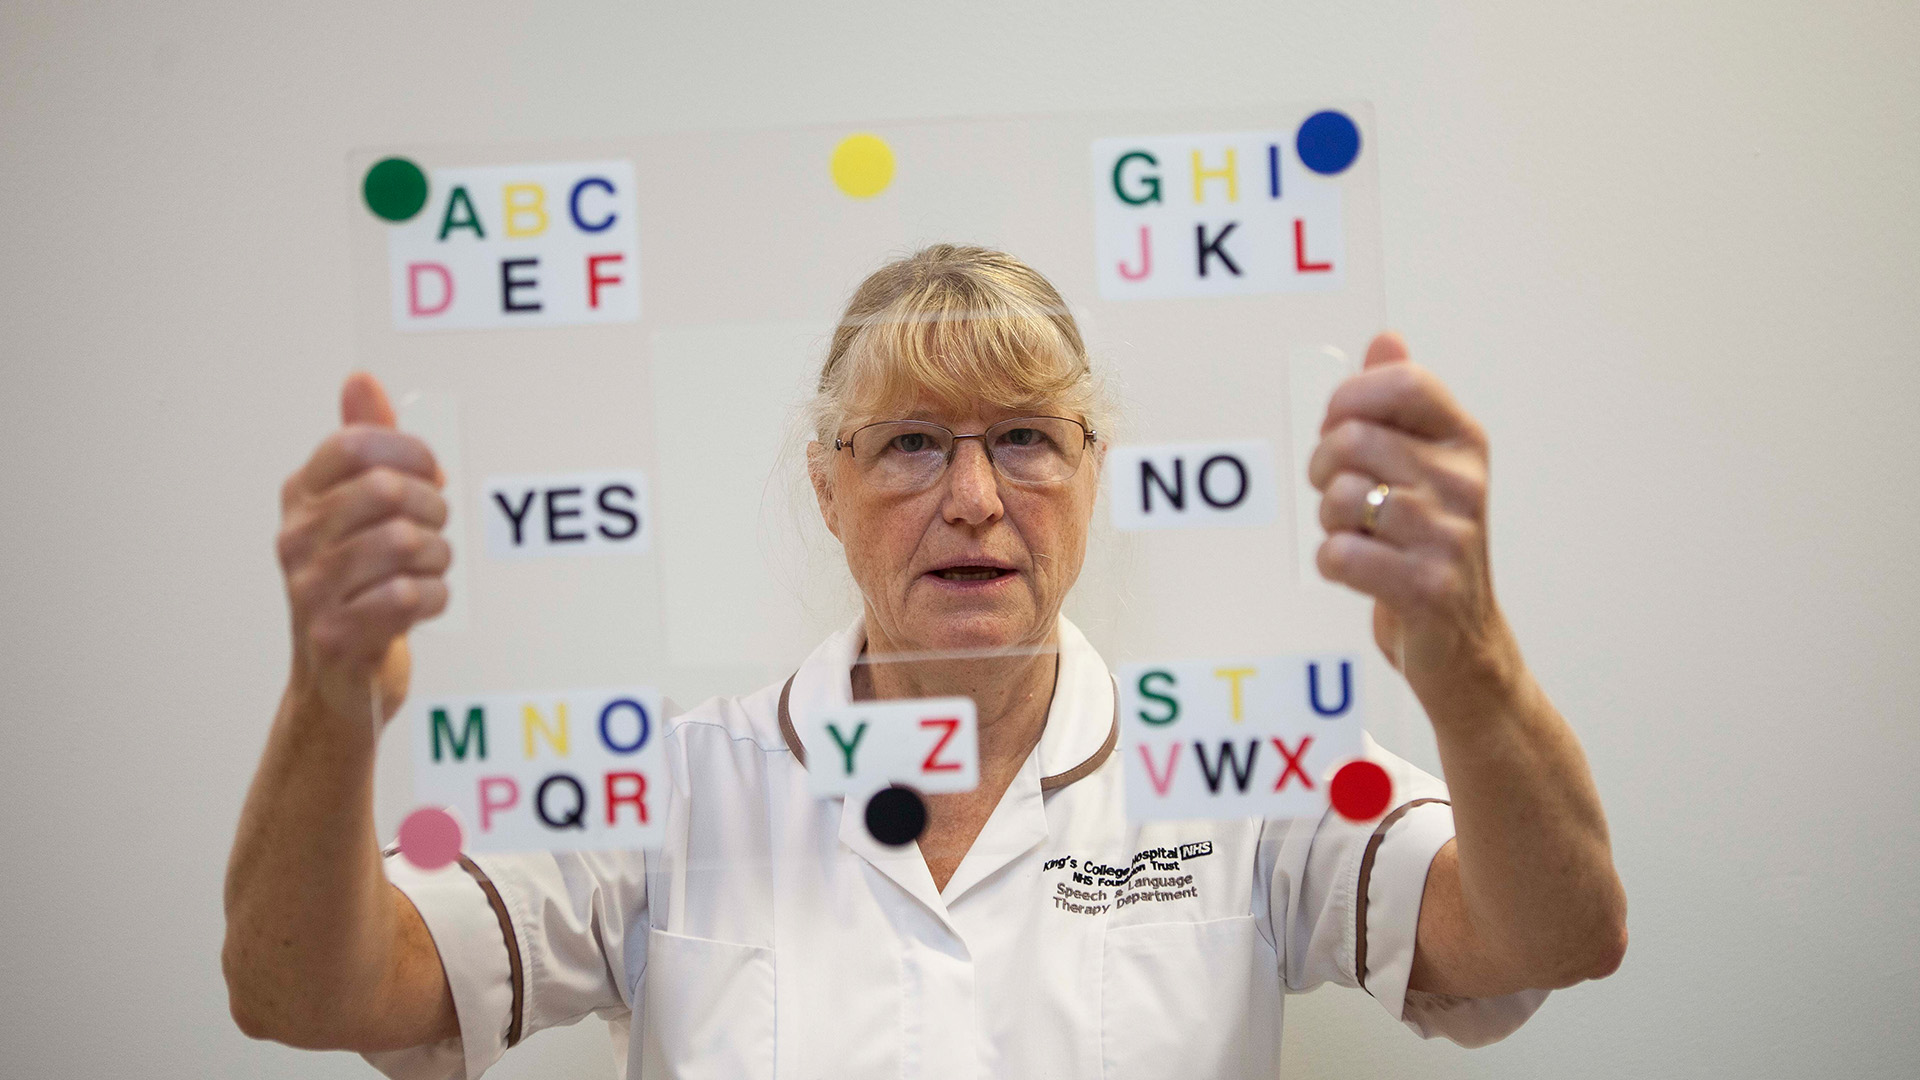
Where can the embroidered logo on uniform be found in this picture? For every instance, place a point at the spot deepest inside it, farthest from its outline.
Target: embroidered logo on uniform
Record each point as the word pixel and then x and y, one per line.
pixel 1092 887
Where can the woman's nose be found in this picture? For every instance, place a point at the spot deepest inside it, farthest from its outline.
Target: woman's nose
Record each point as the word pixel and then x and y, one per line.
pixel 973 489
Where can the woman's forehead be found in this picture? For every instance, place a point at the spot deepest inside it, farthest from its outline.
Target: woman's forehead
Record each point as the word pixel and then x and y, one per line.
pixel 937 409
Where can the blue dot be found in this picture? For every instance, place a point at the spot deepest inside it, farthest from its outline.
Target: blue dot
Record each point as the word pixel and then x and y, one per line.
pixel 1328 142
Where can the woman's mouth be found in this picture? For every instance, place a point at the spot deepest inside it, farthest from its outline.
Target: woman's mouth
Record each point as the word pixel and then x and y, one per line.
pixel 972 573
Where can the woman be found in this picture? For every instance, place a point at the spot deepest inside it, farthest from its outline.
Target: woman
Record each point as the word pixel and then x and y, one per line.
pixel 774 935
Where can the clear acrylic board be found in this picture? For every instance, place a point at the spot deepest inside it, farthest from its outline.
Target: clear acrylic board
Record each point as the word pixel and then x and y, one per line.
pixel 610 345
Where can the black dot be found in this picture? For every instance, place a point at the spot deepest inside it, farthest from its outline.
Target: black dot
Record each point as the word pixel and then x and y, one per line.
pixel 896 816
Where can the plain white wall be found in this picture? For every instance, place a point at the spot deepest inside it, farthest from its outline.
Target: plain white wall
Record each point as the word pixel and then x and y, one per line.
pixel 1665 251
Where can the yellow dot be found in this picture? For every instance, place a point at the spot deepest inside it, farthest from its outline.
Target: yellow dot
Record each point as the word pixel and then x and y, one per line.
pixel 862 165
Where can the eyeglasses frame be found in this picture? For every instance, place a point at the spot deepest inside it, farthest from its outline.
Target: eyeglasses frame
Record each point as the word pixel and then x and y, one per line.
pixel 1091 437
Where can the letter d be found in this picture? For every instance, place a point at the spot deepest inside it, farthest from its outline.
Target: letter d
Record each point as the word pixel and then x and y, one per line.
pixel 414 307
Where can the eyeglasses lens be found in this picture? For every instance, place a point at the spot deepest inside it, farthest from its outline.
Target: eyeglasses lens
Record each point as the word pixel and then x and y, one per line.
pixel 907 455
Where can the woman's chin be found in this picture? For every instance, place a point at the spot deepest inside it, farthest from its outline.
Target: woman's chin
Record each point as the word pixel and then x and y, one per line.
pixel 976 631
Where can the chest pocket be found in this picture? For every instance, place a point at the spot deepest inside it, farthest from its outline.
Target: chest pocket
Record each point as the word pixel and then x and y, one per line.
pixel 707 1012
pixel 1189 999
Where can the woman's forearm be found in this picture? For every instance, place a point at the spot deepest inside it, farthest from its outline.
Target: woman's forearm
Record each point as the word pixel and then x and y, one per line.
pixel 1536 878
pixel 319 948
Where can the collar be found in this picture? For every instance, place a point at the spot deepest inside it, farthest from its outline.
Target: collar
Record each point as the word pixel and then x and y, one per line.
pixel 1083 719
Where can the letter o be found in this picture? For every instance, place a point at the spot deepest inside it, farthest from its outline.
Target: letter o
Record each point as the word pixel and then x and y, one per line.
pixel 1239 495
pixel 606 733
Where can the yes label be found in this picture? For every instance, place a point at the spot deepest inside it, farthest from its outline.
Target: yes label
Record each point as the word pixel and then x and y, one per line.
pixel 1193 485
pixel 570 513
pixel 575 770
pixel 1239 737
pixel 929 744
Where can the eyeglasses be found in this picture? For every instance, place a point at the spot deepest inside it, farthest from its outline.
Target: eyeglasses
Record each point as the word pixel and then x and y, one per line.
pixel 907 456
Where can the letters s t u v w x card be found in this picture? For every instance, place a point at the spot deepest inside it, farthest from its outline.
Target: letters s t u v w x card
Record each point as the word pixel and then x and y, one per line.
pixel 575 770
pixel 1237 738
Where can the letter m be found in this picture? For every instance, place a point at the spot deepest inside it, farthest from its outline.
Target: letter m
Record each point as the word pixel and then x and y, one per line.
pixel 474 732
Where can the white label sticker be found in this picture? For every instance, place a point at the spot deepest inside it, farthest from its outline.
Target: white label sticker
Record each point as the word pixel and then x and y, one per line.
pixel 1213 215
pixel 567 514
pixel 1237 738
pixel 928 744
pixel 551 244
pixel 1193 485
pixel 572 770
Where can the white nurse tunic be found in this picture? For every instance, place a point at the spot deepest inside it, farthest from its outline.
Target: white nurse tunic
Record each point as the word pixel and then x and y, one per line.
pixel 773 937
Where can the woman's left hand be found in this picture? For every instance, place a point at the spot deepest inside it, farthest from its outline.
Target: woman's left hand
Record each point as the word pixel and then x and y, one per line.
pixel 1424 559
pixel 1526 895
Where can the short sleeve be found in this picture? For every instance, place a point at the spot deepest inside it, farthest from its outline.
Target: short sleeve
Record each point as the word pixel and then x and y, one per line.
pixel 528 942
pixel 1345 898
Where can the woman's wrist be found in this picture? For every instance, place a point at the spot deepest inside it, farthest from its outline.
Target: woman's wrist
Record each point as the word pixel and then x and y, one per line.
pixel 1485 686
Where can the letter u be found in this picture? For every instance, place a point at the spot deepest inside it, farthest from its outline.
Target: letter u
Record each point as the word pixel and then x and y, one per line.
pixel 1346 689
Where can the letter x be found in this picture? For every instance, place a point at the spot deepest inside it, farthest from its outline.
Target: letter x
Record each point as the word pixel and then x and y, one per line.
pixel 1291 759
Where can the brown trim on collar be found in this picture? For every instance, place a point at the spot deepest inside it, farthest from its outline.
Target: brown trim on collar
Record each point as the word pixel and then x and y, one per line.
pixel 787 734
pixel 1047 783
pixel 1097 759
pixel 1366 879
pixel 516 975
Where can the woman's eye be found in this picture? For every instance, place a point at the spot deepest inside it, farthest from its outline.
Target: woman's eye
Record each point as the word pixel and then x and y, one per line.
pixel 1025 436
pixel 913 442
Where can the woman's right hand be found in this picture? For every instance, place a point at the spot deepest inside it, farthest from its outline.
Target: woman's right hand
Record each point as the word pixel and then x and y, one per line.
pixel 363 557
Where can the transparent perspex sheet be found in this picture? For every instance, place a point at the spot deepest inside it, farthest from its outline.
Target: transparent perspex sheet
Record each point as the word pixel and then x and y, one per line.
pixel 610 344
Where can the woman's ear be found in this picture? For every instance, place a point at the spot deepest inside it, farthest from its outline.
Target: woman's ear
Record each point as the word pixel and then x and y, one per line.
pixel 819 461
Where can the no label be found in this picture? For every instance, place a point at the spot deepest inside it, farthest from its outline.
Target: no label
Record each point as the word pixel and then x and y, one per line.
pixel 1193 485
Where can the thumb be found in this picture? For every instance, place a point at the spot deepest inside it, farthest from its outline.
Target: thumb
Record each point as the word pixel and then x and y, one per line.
pixel 1387 348
pixel 364 401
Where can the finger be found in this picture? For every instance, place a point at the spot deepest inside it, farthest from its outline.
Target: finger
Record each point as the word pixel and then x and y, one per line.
pixel 1387 347
pixel 1402 580
pixel 393 547
pixel 355 449
pixel 364 630
pixel 351 505
pixel 374 496
pixel 1359 446
pixel 364 401
pixel 1400 394
pixel 1410 516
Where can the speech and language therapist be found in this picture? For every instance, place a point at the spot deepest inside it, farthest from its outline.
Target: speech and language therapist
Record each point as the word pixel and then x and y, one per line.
pixel 957 461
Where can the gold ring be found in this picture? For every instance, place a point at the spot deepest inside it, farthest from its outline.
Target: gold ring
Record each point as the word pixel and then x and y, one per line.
pixel 1370 517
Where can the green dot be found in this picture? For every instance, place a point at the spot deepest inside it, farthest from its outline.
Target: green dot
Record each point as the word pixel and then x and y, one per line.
pixel 395 189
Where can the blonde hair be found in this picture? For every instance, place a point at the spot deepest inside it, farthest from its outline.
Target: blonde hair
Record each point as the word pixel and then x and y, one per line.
pixel 964 324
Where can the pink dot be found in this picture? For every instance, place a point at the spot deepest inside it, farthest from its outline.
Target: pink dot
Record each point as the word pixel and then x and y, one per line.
pixel 1361 791
pixel 430 838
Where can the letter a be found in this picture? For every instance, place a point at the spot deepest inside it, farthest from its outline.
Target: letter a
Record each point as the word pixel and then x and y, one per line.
pixel 456 200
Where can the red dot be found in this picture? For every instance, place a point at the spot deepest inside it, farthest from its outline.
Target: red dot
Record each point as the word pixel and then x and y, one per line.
pixel 1361 791
pixel 430 838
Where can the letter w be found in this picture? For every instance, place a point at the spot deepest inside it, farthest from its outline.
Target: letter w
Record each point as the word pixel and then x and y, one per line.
pixel 1227 759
